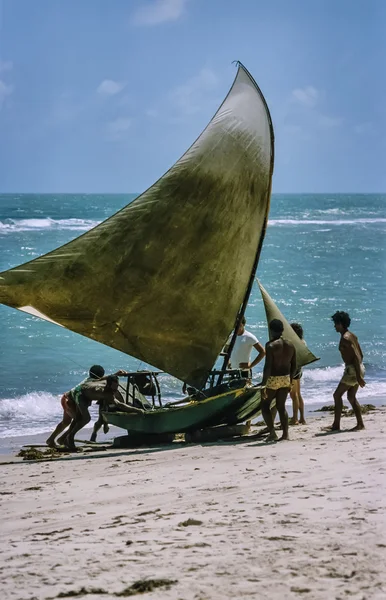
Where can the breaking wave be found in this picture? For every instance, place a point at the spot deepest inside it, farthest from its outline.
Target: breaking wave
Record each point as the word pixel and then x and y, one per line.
pixel 16 225
pixel 363 221
pixel 30 414
pixel 39 412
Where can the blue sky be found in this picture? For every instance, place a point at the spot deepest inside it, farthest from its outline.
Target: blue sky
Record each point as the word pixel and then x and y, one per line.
pixel 104 96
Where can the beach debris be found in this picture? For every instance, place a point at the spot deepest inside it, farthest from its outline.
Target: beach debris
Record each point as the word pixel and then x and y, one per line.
pixel 346 411
pixel 365 408
pixel 189 522
pixel 142 586
pixel 35 454
pixel 81 592
pixel 329 408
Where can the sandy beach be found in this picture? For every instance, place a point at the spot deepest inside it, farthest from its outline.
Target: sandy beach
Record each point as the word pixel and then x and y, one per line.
pixel 236 519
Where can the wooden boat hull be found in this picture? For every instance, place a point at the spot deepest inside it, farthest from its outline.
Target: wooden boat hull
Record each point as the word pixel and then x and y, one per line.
pixel 231 407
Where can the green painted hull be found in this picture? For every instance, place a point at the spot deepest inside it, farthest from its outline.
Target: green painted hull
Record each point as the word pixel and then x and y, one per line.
pixel 234 406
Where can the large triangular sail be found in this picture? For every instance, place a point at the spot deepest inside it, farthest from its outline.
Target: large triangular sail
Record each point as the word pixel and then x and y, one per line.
pixel 304 356
pixel 163 279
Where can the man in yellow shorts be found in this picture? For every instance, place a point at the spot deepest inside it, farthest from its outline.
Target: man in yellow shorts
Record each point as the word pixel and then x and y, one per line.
pixel 279 370
pixel 354 371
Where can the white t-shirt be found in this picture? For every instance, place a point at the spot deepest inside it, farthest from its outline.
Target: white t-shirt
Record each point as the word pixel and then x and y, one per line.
pixel 242 349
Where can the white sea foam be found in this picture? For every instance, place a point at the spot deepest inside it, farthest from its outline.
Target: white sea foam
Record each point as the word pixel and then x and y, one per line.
pixel 39 412
pixel 326 222
pixel 32 413
pixel 16 225
pixel 318 385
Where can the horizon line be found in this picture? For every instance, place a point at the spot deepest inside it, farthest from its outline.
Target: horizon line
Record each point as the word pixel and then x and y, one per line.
pixel 139 193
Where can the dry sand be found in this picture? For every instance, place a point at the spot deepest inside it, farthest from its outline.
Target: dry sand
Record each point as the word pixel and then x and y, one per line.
pixel 300 519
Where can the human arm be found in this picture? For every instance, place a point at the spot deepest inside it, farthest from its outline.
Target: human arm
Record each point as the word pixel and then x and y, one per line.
pixel 122 407
pixel 261 353
pixel 357 358
pixel 268 363
pixel 120 373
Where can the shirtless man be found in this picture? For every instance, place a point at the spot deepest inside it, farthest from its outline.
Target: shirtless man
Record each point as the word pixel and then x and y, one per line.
pixel 69 403
pixel 104 391
pixel 353 373
pixel 279 369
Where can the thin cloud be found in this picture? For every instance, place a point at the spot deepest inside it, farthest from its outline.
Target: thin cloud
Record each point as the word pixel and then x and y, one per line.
pixel 328 122
pixel 304 109
pixel 190 97
pixel 117 129
pixel 364 128
pixel 307 96
pixel 5 65
pixel 158 11
pixel 152 113
pixel 5 91
pixel 109 87
pixel 66 108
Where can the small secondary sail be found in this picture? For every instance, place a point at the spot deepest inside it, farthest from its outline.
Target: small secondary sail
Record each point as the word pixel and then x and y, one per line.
pixel 164 278
pixel 304 356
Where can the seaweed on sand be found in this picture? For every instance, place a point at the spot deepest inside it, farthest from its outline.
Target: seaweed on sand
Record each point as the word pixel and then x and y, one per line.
pixel 142 586
pixel 346 411
pixel 35 454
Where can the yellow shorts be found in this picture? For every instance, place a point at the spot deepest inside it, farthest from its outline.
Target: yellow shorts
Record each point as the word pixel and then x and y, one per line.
pixel 275 382
pixel 349 375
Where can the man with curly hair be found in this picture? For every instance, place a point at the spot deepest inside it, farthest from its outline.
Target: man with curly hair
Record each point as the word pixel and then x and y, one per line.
pixel 354 370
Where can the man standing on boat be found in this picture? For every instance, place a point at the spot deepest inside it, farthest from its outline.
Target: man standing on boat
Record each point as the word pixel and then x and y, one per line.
pixel 279 370
pixel 354 370
pixel 241 353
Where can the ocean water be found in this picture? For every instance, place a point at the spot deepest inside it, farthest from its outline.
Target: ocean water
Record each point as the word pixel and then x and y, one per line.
pixel 322 253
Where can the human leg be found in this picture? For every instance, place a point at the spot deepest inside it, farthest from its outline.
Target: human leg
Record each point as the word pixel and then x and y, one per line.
pixel 338 402
pixel 97 425
pixel 302 419
pixel 64 423
pixel 267 414
pixel 281 397
pixel 68 413
pixel 351 396
pixel 294 393
pixel 81 420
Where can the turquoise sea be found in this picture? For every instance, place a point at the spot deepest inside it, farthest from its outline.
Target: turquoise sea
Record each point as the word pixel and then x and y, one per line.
pixel 322 253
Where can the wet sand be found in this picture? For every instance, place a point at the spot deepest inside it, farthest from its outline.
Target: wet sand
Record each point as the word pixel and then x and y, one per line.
pixel 299 519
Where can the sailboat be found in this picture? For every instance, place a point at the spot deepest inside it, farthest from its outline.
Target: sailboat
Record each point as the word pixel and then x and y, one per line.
pixel 168 277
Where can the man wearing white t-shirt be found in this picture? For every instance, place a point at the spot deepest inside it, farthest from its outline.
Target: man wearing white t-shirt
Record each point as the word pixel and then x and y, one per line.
pixel 241 353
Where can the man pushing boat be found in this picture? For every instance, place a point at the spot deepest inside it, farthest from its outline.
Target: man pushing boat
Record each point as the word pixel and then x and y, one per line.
pixel 77 401
pixel 103 391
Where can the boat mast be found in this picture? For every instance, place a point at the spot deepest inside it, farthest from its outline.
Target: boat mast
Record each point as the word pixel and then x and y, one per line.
pixel 256 261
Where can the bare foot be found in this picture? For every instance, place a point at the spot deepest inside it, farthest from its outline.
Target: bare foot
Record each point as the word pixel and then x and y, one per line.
pixel 302 422
pixel 62 440
pixel 294 422
pixel 358 427
pixel 284 438
pixel 51 443
pixel 105 428
pixel 272 437
pixel 331 428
